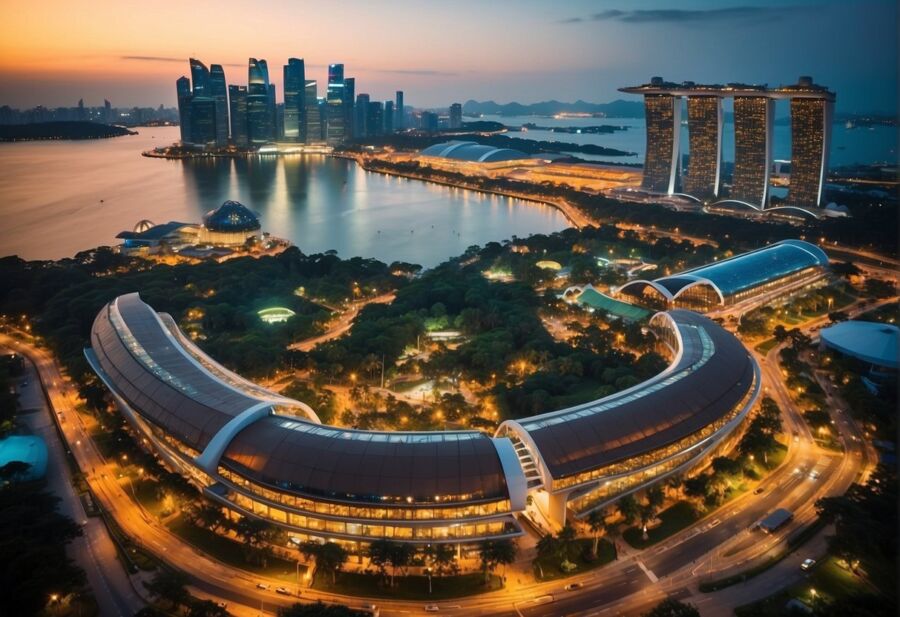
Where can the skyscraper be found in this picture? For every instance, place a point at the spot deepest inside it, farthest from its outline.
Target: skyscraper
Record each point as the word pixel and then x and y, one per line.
pixel 238 100
pixel 753 122
pixel 294 100
pixel 374 119
pixel 400 119
pixel 456 116
pixel 218 90
pixel 388 117
pixel 107 111
pixel 428 121
pixel 259 116
pixel 705 139
pixel 199 78
pixel 812 107
pixel 360 129
pixel 334 97
pixel 203 120
pixel 272 106
pixel 313 130
pixel 183 90
pixel 349 98
pixel 663 118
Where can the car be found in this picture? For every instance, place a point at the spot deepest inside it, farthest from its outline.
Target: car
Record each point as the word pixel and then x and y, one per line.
pixel 24 383
pixel 807 564
pixel 573 586
pixel 759 489
pixel 432 608
pixel 814 474
pixel 222 605
pixel 283 591
pixel 263 586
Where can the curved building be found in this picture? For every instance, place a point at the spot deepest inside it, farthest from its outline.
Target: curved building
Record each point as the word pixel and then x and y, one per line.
pixel 231 224
pixel 870 342
pixel 472 152
pixel 764 274
pixel 263 455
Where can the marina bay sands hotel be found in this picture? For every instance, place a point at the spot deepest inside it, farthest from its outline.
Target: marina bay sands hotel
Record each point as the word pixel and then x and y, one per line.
pixel 811 117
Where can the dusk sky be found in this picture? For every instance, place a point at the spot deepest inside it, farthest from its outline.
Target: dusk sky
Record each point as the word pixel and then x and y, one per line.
pixel 54 52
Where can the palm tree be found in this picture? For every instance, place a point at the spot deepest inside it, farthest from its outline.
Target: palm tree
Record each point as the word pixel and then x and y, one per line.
pixel 597 522
pixel 565 540
pixel 494 553
pixel 628 508
pixel 547 547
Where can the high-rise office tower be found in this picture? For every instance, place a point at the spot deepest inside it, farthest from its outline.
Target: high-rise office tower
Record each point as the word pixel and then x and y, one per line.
pixel 218 90
pixel 349 98
pixel 273 114
pixel 374 119
pixel 753 122
pixel 259 117
pixel 203 120
pixel 183 90
pixel 313 129
pixel 238 100
pixel 812 107
pixel 399 119
pixel 336 119
pixel 199 78
pixel 322 104
pixel 705 140
pixel 456 116
pixel 388 117
pixel 428 121
pixel 663 119
pixel 294 100
pixel 360 128
pixel 107 111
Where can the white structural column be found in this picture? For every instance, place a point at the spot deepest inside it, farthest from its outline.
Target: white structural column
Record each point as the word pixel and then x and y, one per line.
pixel 516 483
pixel 209 458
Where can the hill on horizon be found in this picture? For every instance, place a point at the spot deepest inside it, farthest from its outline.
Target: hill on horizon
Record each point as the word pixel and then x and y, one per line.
pixel 614 109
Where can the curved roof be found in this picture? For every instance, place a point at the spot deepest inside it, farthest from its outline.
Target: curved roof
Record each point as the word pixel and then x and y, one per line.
pixel 869 341
pixel 472 151
pixel 740 272
pixel 140 356
pixel 712 375
pixel 231 216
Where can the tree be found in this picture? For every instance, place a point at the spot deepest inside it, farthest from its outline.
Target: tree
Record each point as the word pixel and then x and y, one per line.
pixel 597 522
pixel 547 548
pixel 565 541
pixel 780 333
pixel 169 586
pixel 331 558
pixel 672 608
pixel 206 608
pixel 495 552
pixel 320 609
pixel 384 553
pixel 211 516
pixel 628 508
pixel 443 556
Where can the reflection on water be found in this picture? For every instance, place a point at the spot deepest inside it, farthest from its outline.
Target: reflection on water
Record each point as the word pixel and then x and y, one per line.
pixel 52 206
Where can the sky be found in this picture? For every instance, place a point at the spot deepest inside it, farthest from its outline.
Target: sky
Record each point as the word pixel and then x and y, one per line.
pixel 53 52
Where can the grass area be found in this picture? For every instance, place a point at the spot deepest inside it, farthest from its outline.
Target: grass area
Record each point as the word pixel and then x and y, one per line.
pixel 146 493
pixel 793 542
pixel 830 581
pixel 766 346
pixel 407 587
pixel 133 556
pixel 231 552
pixel 579 554
pixel 673 519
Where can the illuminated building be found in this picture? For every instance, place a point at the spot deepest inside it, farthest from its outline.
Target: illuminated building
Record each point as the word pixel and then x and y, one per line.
pixel 183 91
pixel 812 107
pixel 218 90
pixel 705 138
pixel 753 125
pixel 294 100
pixel 237 96
pixel 336 120
pixel 313 132
pixel 456 116
pixel 399 110
pixel 389 117
pixel 360 129
pixel 203 120
pixel 261 455
pixel 349 97
pixel 764 275
pixel 199 78
pixel 231 224
pixel 260 129
pixel 663 119
pixel 374 119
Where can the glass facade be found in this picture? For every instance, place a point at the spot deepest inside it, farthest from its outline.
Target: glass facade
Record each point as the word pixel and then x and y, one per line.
pixel 705 135
pixel 238 102
pixel 753 116
pixel 809 126
pixel 219 92
pixel 663 126
pixel 295 100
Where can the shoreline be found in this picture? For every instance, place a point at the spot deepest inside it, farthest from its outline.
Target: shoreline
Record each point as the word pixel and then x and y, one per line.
pixel 575 217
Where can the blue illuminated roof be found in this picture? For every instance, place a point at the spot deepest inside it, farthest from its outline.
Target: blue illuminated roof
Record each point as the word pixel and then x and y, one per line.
pixel 756 267
pixel 472 151
pixel 231 216
pixel 872 342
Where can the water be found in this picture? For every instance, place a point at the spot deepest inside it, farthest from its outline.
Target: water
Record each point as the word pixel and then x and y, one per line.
pixel 51 192
pixel 861 145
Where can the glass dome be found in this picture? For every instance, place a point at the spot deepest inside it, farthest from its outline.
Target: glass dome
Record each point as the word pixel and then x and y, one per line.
pixel 231 216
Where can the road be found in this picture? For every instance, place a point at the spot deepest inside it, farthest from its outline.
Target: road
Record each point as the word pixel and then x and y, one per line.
pixel 94 551
pixel 342 324
pixel 713 547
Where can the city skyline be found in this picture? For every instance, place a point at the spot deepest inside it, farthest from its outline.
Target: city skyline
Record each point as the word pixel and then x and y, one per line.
pixel 583 51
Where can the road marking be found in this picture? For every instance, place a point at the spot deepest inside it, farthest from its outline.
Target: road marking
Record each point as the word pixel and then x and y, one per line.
pixel 648 572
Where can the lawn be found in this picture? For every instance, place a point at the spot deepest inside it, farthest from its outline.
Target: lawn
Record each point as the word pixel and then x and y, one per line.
pixel 406 587
pixel 829 580
pixel 766 346
pixel 606 552
pixel 231 552
pixel 674 518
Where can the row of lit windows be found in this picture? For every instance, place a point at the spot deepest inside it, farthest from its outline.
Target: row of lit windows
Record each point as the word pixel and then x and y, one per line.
pixel 317 525
pixel 467 511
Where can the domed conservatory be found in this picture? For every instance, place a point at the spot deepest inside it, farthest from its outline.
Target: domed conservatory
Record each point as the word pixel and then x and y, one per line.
pixel 231 224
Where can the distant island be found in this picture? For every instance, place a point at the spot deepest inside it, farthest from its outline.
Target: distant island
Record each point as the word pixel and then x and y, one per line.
pixel 614 109
pixel 61 130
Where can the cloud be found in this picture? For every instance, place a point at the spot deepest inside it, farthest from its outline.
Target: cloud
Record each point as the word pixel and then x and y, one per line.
pixel 686 16
pixel 164 59
pixel 423 72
